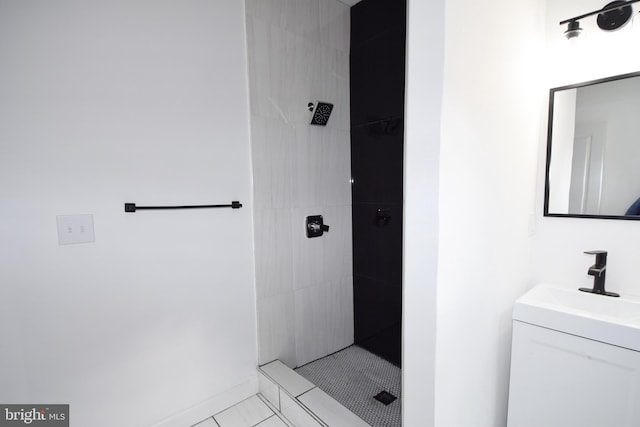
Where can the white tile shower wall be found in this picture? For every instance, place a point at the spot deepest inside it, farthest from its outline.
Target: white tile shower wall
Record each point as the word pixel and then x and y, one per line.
pixel 325 259
pixel 273 251
pixel 324 314
pixel 276 332
pixel 274 143
pixel 299 53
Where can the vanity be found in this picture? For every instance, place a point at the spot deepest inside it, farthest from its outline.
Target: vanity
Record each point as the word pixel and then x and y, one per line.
pixel 575 360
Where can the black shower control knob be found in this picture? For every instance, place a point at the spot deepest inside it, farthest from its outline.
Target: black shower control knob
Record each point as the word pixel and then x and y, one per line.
pixel 383 217
pixel 315 226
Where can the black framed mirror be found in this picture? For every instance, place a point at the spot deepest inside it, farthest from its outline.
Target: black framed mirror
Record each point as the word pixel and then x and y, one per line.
pixel 593 149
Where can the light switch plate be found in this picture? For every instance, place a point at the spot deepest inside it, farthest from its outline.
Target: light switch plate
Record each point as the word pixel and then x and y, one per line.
pixel 75 229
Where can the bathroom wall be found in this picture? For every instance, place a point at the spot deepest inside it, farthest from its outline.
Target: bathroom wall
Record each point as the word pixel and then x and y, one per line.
pixel 492 241
pixel 458 302
pixel 423 114
pixel 299 53
pixel 103 103
pixel 488 158
pixel 559 243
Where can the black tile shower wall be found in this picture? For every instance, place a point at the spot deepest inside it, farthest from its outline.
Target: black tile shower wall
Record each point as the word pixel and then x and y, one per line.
pixel 371 17
pixel 378 92
pixel 378 227
pixel 377 152
pixel 377 278
pixel 379 333
pixel 377 157
pixel 378 293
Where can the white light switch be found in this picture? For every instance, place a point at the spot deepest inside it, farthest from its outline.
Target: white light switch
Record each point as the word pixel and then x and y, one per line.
pixel 75 229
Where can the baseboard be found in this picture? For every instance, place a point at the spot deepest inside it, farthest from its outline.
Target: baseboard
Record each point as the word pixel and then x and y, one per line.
pixel 193 415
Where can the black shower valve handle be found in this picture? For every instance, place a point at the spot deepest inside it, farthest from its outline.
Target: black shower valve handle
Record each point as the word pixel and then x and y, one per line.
pixel 382 217
pixel 315 226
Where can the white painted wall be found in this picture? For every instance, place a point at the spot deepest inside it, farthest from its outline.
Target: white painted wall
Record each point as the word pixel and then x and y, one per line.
pixel 492 104
pixel 423 91
pixel 490 134
pixel 491 177
pixel 103 103
pixel 299 53
pixel 559 242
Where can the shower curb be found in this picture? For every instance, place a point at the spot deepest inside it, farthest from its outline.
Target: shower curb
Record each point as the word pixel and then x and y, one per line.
pixel 284 388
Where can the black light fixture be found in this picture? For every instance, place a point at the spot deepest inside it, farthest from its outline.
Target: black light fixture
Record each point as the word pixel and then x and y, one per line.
pixel 611 17
pixel 573 30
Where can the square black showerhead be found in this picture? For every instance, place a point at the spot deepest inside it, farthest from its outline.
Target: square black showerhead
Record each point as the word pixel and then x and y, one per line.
pixel 321 113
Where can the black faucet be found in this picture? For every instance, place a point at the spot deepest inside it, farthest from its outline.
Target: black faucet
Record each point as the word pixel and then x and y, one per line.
pixel 599 272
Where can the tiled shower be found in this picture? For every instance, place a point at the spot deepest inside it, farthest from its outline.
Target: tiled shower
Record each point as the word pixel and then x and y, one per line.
pixel 299 53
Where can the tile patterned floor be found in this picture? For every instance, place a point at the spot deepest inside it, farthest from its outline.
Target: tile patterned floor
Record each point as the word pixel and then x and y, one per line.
pixel 300 401
pixel 252 412
pixel 335 391
pixel 352 377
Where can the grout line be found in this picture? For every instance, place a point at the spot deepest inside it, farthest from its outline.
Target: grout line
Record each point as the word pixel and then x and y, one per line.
pixel 235 404
pixel 276 413
pixel 305 407
pixel 273 380
pixel 296 399
pixel 229 407
pixel 319 358
pixel 302 406
pixel 270 378
pixel 279 399
pixel 305 392
pixel 269 405
pixel 277 385
pixel 261 421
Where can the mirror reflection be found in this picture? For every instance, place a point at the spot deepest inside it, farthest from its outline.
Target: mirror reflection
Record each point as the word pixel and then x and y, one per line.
pixel 593 152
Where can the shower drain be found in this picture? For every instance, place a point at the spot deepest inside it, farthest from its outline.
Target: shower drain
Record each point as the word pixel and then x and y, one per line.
pixel 385 397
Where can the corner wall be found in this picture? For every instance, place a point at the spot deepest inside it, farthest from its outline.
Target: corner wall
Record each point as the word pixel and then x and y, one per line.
pixel 423 104
pixel 299 53
pixel 483 187
pixel 103 103
pixel 490 121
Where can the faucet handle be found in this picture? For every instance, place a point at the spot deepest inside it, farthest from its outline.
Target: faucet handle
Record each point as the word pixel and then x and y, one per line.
pixel 601 257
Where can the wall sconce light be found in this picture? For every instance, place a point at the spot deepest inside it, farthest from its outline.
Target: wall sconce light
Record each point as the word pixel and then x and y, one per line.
pixel 573 29
pixel 610 18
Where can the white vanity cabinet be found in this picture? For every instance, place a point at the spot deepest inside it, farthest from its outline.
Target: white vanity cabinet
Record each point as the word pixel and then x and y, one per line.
pixel 562 378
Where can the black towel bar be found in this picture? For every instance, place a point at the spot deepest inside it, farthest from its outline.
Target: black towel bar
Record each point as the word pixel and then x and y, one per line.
pixel 131 207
